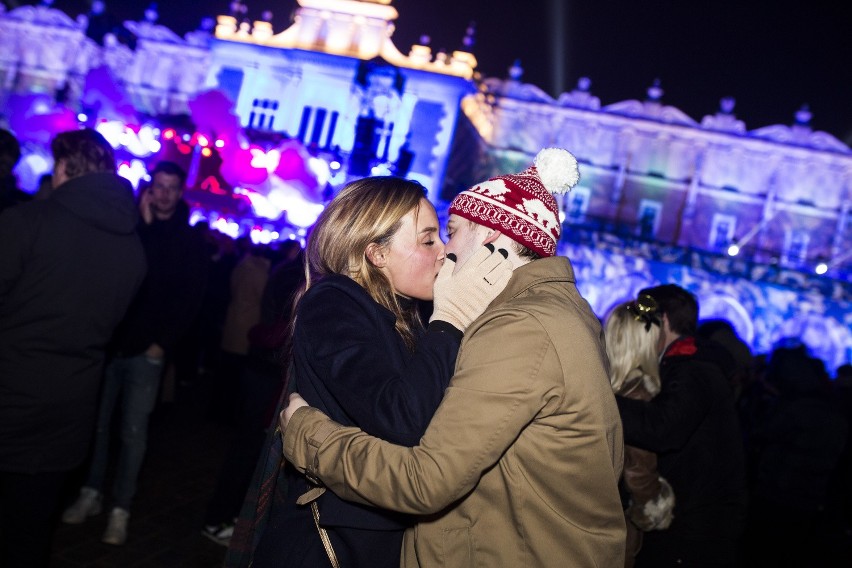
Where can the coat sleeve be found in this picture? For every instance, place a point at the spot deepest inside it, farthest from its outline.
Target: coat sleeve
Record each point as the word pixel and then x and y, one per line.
pixel 387 400
pixel 667 422
pixel 498 389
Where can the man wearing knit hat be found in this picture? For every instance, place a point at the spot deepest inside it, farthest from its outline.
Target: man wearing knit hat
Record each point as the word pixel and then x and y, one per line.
pixel 520 464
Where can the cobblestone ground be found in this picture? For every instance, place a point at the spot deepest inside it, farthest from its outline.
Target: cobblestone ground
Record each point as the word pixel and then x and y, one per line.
pixel 185 450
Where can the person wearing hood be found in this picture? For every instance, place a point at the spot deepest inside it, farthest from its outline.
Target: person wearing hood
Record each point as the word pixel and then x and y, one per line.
pixel 159 315
pixel 692 426
pixel 69 268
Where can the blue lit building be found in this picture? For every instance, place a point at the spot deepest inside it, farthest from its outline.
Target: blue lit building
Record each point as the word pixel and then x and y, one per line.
pixel 758 223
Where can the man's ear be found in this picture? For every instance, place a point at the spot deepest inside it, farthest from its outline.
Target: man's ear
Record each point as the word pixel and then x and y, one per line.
pixel 491 236
pixel 376 255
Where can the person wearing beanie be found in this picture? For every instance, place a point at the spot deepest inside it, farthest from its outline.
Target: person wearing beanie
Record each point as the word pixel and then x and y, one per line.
pixel 521 462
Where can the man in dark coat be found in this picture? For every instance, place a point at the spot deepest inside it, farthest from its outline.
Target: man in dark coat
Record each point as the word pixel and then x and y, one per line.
pixel 692 426
pixel 69 268
pixel 162 311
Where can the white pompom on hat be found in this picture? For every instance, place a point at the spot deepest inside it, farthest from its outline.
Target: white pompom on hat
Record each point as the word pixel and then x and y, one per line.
pixel 522 206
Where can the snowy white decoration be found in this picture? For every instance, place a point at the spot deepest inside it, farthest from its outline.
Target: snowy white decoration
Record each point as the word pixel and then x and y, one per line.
pixel 557 169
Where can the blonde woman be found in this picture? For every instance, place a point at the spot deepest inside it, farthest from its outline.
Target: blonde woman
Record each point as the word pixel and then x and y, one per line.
pixel 362 354
pixel 632 331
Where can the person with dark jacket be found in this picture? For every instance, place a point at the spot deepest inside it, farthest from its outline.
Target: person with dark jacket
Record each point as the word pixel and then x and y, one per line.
pixel 69 268
pixel 692 426
pixel 160 314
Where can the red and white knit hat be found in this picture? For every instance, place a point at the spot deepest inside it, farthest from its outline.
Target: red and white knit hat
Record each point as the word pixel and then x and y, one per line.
pixel 522 206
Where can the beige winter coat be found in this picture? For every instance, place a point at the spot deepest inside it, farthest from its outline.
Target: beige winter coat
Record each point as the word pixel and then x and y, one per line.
pixel 520 465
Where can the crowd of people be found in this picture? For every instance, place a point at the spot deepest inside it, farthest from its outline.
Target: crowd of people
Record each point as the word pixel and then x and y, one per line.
pixel 396 400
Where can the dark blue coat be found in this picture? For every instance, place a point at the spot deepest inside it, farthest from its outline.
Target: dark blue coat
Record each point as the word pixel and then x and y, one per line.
pixel 350 362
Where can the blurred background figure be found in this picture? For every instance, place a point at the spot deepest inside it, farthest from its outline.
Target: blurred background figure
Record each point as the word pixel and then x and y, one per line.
pixel 259 388
pixel 160 314
pixel 247 282
pixel 69 268
pixel 692 426
pixel 45 186
pixel 722 332
pixel 10 154
pixel 797 447
pixel 632 331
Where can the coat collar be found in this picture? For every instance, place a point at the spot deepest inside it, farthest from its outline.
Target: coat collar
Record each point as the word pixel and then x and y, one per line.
pixel 550 269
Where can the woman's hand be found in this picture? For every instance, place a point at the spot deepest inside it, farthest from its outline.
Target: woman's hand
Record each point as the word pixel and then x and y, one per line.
pixel 460 298
pixel 295 403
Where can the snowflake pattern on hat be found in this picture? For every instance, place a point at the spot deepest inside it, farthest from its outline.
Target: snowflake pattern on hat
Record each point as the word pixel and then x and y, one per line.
pixel 520 205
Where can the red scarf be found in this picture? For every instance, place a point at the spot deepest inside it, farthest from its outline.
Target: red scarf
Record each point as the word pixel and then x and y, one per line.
pixel 682 346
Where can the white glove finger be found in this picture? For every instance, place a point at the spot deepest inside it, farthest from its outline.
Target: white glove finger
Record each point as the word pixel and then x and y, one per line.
pixel 493 260
pixel 477 258
pixel 501 273
pixel 447 269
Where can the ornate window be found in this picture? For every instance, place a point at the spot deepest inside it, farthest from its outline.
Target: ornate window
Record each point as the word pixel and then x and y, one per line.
pixel 648 218
pixel 796 245
pixel 722 231
pixel 576 204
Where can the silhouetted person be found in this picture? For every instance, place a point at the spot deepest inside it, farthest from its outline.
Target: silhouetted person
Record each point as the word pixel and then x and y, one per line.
pixel 247 282
pixel 10 155
pixel 69 267
pixel 722 332
pixel 693 428
pixel 799 445
pixel 840 496
pixel 160 314
pixel 260 386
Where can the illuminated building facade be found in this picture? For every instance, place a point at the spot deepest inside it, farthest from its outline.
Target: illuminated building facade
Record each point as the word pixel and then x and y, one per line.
pixel 756 222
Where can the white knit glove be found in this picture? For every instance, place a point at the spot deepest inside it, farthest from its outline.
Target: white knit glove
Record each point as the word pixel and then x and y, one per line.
pixel 460 298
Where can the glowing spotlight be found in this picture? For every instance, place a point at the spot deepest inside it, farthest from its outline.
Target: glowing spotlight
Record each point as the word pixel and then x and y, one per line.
pixel 82 117
pixel 733 250
pixel 821 268
pixel 206 152
pixel 169 133
pixel 380 170
pixel 220 143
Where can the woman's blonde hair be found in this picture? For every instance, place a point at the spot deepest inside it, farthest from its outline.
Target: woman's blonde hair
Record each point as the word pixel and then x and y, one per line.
pixel 631 346
pixel 366 211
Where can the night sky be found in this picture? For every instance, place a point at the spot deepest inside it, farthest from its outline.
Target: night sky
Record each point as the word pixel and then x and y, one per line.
pixel 771 56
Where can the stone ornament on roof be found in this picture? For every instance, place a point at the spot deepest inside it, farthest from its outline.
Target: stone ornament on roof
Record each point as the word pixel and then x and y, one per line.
pixel 801 134
pixel 150 30
pixel 514 88
pixel 580 97
pixel 201 36
pixel 42 15
pixel 724 120
pixel 652 108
